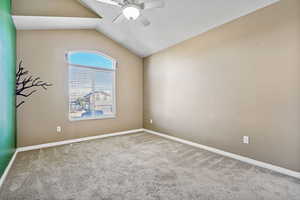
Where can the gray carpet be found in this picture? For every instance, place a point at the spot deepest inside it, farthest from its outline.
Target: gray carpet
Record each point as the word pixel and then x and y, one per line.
pixel 140 167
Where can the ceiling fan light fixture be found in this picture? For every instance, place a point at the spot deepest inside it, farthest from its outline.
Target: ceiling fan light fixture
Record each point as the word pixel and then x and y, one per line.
pixel 131 12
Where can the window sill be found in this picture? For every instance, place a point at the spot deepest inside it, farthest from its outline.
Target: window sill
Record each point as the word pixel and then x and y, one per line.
pixel 94 118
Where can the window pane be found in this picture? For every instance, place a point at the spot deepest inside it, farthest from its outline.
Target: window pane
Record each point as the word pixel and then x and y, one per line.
pixel 80 85
pixel 90 59
pixel 91 93
pixel 91 90
pixel 103 93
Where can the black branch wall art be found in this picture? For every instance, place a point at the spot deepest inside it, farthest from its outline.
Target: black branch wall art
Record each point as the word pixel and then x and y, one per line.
pixel 26 84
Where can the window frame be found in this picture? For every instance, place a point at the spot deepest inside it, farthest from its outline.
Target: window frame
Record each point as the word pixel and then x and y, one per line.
pixel 114 82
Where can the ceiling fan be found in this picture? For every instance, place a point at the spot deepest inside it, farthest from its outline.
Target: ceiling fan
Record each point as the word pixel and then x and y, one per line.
pixel 131 9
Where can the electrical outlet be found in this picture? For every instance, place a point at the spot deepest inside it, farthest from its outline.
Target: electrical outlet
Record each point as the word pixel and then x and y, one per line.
pixel 151 121
pixel 246 140
pixel 58 129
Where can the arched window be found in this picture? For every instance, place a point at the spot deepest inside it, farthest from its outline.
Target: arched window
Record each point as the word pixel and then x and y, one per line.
pixel 91 85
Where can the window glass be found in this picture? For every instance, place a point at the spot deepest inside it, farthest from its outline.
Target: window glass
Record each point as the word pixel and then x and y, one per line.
pixel 91 59
pixel 91 90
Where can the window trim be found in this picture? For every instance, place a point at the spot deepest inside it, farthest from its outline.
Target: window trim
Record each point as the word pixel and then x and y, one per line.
pixel 114 86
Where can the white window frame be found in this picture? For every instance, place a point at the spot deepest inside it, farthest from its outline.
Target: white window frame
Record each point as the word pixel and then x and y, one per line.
pixel 114 92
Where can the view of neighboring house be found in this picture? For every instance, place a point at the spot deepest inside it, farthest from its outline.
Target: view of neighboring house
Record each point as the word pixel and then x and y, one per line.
pixel 93 104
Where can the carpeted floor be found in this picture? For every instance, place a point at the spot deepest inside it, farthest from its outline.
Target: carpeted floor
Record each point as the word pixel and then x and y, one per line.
pixel 140 167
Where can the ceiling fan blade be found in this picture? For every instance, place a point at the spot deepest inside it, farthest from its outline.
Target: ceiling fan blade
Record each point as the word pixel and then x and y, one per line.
pixel 119 18
pixel 111 2
pixel 144 21
pixel 152 4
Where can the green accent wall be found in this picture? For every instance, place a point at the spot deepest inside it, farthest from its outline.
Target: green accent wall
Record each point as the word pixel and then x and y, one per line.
pixel 7 85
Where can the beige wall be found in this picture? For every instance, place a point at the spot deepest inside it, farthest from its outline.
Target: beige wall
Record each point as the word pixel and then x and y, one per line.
pixel 63 8
pixel 240 79
pixel 43 54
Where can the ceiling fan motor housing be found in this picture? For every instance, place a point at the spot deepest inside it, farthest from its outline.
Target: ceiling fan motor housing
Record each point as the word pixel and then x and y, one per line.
pixel 131 11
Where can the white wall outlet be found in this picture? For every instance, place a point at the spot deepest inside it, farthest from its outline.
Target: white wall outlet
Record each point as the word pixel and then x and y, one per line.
pixel 151 121
pixel 58 129
pixel 246 140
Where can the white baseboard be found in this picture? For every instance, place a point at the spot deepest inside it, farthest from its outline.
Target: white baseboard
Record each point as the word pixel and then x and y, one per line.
pixel 224 153
pixel 4 175
pixel 53 144
pixel 231 155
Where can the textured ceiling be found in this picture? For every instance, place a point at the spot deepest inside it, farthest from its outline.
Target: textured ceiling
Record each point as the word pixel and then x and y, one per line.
pixel 176 22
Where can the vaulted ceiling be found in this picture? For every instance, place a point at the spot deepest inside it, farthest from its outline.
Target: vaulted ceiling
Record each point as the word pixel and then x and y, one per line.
pixel 179 20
